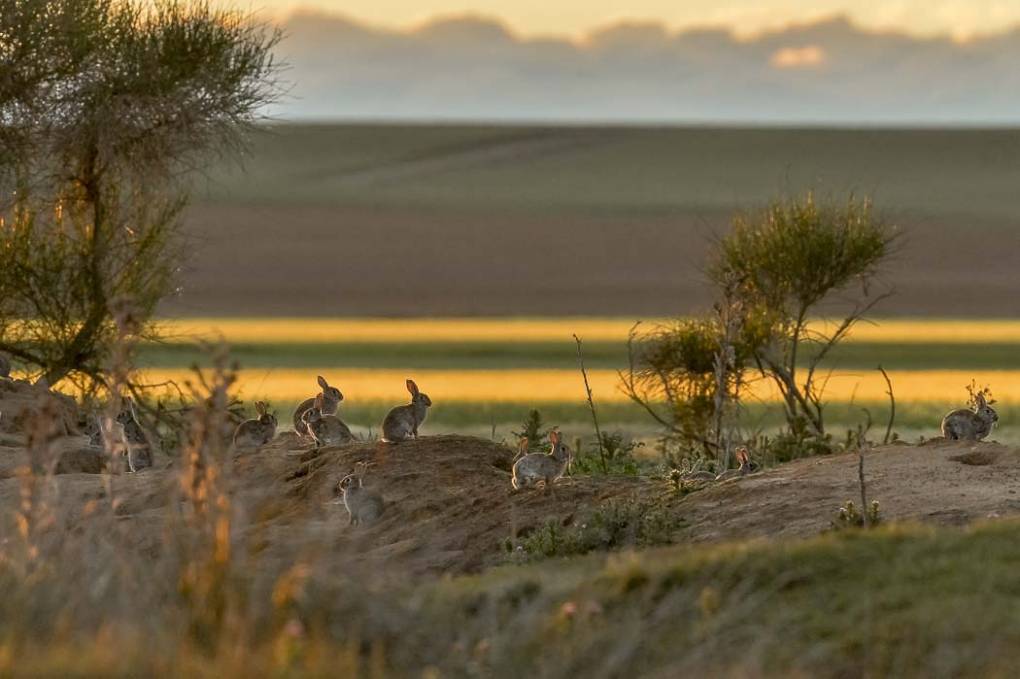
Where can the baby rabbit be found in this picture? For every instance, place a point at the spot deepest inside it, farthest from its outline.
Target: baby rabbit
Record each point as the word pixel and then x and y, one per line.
pixel 744 458
pixel 535 467
pixel 402 422
pixel 327 430
pixel 362 504
pixel 257 432
pixel 331 398
pixel 970 425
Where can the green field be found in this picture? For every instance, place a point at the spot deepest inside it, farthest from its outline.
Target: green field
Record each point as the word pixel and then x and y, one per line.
pixel 916 416
pixel 969 173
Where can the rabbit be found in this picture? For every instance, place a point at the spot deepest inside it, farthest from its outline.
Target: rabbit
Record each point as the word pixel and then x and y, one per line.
pixel 136 441
pixel 362 505
pixel 93 428
pixel 331 398
pixel 535 467
pixel 402 422
pixel 970 425
pixel 327 430
pixel 744 458
pixel 257 432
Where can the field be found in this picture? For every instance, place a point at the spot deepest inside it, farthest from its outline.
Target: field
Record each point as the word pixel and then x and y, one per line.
pixel 486 373
pixel 348 237
pixel 361 220
pixel 467 258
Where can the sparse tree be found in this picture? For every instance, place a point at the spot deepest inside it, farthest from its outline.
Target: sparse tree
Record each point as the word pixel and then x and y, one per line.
pixel 105 107
pixel 790 261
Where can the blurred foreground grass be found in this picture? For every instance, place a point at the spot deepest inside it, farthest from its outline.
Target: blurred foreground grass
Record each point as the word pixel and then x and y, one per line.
pixel 900 601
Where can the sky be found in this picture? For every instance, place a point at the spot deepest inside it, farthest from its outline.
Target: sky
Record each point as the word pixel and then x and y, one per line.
pixel 574 18
pixel 828 71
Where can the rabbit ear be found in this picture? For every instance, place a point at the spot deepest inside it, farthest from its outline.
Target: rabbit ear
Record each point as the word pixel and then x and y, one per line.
pixel 318 401
pixel 554 437
pixel 412 387
pixel 322 382
pixel 260 407
pixel 522 445
pixel 980 399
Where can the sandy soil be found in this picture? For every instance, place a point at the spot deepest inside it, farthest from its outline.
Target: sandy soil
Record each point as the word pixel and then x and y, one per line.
pixel 256 260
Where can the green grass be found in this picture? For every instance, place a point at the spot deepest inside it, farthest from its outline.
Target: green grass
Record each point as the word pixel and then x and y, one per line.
pixel 624 170
pixel 898 601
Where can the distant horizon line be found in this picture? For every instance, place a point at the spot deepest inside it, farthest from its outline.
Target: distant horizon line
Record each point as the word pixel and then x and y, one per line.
pixel 848 126
pixel 583 35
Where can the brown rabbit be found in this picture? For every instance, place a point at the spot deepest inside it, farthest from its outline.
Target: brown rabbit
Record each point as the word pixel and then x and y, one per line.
pixel 327 430
pixel 402 422
pixel 331 398
pixel 535 467
pixel 970 425
pixel 257 432
pixel 744 458
pixel 362 504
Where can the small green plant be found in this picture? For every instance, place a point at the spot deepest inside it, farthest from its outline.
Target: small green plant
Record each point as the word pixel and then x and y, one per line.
pixel 613 525
pixel 849 516
pixel 534 430
pixel 618 449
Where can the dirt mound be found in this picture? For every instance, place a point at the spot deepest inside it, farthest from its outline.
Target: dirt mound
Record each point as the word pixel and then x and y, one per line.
pixel 944 482
pixel 21 401
pixel 449 507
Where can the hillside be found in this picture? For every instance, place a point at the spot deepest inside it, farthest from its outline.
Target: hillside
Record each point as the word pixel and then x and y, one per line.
pixel 750 587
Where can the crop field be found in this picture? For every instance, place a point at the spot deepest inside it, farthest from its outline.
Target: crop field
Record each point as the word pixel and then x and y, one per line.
pixel 445 220
pixel 487 372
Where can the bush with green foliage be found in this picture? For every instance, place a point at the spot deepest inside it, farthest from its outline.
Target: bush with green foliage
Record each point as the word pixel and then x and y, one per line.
pixel 613 525
pixel 618 452
pixel 105 107
pixel 534 430
pixel 785 262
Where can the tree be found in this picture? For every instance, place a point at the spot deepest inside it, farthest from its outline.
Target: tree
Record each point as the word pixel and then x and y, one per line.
pixel 784 263
pixel 105 108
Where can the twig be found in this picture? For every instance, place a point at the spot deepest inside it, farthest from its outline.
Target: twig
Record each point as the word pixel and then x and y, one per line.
pixel 864 488
pixel 591 405
pixel 892 405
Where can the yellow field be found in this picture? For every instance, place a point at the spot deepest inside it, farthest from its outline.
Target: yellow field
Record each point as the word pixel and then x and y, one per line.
pixel 496 386
pixel 315 330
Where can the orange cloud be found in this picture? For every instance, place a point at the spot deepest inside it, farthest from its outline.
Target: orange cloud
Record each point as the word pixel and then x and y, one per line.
pixel 809 56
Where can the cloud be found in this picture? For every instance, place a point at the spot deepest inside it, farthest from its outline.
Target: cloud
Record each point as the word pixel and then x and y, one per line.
pixel 473 68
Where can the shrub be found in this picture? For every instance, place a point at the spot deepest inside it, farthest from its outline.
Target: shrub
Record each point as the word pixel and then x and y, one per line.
pixel 786 260
pixel 618 450
pixel 613 525
pixel 534 430
pixel 104 106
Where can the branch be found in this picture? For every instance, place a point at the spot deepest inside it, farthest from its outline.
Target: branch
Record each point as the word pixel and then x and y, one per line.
pixel 892 404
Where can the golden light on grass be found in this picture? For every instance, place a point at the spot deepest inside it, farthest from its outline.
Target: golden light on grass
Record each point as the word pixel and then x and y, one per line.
pixel 500 386
pixel 412 330
pixel 393 330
